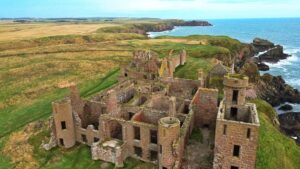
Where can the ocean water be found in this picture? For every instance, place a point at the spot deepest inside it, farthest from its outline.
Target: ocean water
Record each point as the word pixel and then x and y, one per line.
pixel 285 32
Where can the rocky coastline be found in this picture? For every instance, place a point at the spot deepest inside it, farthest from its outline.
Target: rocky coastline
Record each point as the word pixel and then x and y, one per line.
pixel 170 26
pixel 274 89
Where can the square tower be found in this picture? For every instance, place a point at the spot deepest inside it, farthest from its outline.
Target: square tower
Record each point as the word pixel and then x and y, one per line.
pixel 237 127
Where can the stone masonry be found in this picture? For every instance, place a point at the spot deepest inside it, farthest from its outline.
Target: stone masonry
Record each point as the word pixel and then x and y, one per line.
pixel 237 127
pixel 150 115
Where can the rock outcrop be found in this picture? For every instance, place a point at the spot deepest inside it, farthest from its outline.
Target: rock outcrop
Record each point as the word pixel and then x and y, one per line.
pixel 286 107
pixel 262 66
pixel 273 55
pixel 261 45
pixel 194 23
pixel 290 122
pixel 274 90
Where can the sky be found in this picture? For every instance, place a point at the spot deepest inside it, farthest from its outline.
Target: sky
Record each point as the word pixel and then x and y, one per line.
pixel 177 9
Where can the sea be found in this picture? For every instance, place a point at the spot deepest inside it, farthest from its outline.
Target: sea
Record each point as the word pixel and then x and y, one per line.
pixel 283 31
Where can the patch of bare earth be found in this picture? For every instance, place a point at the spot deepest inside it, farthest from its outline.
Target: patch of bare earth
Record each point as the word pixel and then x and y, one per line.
pixel 19 150
pixel 199 155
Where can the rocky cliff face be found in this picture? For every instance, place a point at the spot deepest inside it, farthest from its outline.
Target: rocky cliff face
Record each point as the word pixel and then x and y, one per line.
pixel 273 55
pixel 261 45
pixel 274 90
pixel 290 123
pixel 143 28
pixel 194 23
pixel 266 51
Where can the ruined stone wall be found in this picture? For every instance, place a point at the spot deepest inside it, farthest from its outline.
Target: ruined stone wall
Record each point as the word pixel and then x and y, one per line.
pixel 170 63
pixel 126 94
pixel 185 132
pixel 205 106
pixel 129 136
pixel 91 112
pixel 183 56
pixel 242 115
pixel 182 87
pixel 235 134
pixel 116 155
pixel 89 134
pixel 133 74
pixel 159 102
pixel 64 123
pixel 235 82
pixel 152 116
pixel 228 94
pixel 168 139
pixel 176 61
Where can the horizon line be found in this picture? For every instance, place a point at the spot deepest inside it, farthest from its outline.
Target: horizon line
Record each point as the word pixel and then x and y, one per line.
pixel 124 17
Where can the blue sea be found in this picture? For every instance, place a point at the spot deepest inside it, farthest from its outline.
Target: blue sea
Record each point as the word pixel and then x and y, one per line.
pixel 285 32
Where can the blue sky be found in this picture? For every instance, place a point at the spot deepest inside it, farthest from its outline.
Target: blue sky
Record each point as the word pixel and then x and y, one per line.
pixel 182 9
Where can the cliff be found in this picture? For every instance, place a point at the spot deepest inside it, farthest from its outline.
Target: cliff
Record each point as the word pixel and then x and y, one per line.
pixel 143 28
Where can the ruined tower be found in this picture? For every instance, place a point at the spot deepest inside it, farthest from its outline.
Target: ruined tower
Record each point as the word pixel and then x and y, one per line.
pixel 168 134
pixel 237 127
pixel 64 122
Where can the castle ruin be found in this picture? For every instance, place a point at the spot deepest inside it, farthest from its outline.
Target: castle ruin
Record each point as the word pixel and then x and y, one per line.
pixel 149 115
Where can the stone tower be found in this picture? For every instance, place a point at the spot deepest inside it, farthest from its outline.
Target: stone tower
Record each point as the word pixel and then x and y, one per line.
pixel 237 127
pixel 168 136
pixel 235 87
pixel 64 122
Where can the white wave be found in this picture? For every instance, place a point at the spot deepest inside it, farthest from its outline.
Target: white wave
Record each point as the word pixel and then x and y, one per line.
pixel 293 81
pixel 260 53
pixel 295 138
pixel 292 50
pixel 296 107
pixel 289 61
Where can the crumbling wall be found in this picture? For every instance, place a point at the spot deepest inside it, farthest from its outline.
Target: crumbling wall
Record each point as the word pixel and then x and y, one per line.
pixel 182 88
pixel 87 135
pixel 64 123
pixel 116 155
pixel 185 132
pixel 170 63
pixel 205 106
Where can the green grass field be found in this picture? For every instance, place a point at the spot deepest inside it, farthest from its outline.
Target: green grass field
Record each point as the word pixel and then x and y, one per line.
pixel 31 69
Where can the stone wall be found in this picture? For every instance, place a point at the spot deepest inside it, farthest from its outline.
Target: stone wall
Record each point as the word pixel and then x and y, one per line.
pixel 87 136
pixel 110 151
pixel 182 88
pixel 170 63
pixel 205 106
pixel 228 134
pixel 64 123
